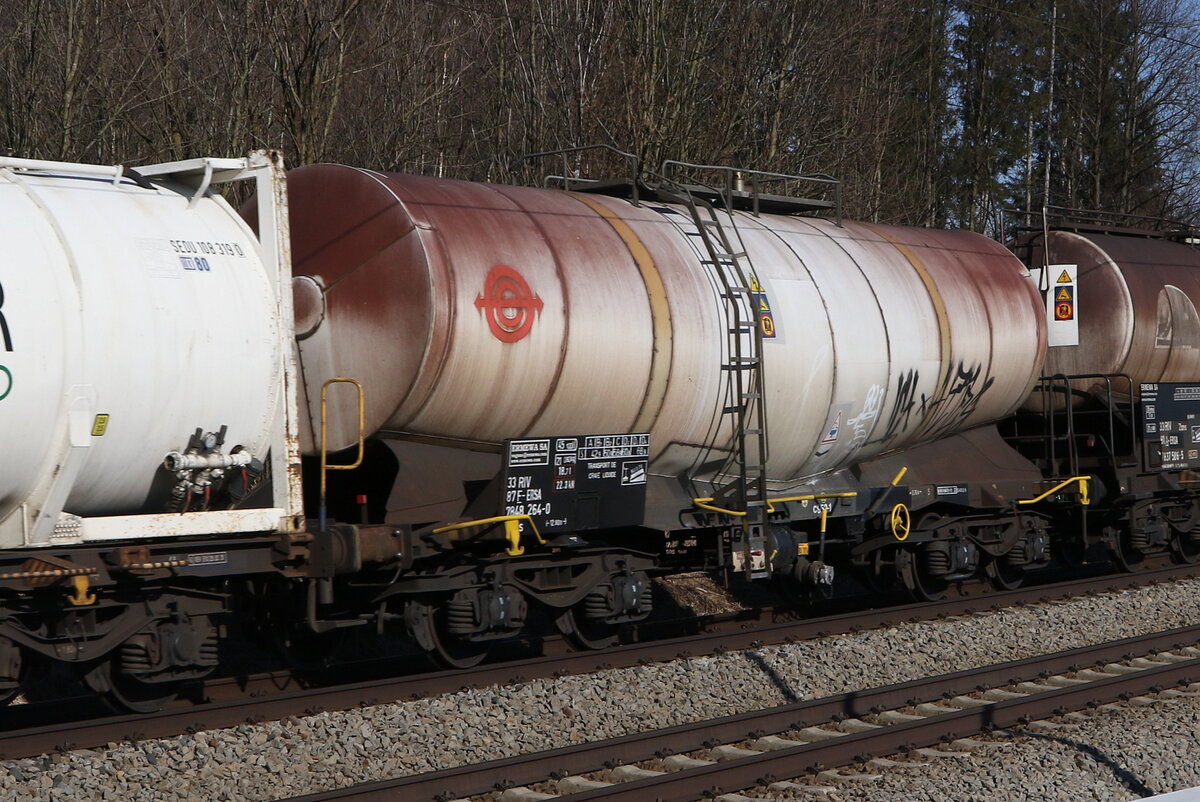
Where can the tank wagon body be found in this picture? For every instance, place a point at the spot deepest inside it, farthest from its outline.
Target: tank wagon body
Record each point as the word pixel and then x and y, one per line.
pixel 485 312
pixel 451 409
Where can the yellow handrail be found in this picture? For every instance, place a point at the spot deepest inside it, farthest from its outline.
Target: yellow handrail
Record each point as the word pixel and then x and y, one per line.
pixel 703 504
pixel 325 466
pixel 512 530
pixel 1083 490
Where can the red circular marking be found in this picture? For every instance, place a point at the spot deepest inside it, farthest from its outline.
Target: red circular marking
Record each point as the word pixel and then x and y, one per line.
pixel 1064 311
pixel 508 304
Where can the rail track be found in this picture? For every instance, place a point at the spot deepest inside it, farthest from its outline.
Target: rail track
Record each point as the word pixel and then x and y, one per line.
pixel 29 731
pixel 757 748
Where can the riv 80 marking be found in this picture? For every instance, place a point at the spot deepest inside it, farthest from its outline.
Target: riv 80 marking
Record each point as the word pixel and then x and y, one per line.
pixel 6 381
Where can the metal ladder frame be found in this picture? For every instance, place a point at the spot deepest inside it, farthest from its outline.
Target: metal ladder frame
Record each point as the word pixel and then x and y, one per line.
pixel 746 497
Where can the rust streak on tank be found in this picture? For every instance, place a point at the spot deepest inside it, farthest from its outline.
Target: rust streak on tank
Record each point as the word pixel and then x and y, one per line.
pixel 935 295
pixel 660 311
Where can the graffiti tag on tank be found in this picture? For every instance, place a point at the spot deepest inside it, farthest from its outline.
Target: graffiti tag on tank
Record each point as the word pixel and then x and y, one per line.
pixel 861 426
pixel 508 304
pixel 940 413
pixel 6 378
pixel 858 428
pixel 902 409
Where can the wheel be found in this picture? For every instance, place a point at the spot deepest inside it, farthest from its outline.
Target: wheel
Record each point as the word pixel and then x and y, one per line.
pixel 427 624
pixel 126 693
pixel 1126 555
pixel 584 632
pixel 1185 548
pixel 1003 575
pixel 922 586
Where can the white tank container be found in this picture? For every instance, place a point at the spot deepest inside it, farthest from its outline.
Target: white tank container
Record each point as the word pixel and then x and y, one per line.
pixel 131 317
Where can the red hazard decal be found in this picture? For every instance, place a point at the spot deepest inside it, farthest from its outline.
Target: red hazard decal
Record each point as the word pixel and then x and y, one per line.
pixel 508 304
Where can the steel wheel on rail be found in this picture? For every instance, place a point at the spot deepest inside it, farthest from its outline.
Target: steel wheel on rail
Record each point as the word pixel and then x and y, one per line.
pixel 584 632
pixel 1185 547
pixel 1128 556
pixel 124 692
pixel 922 585
pixel 427 623
pixel 1003 574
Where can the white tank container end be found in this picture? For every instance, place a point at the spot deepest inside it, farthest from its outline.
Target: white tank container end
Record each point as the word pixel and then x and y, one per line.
pixel 135 310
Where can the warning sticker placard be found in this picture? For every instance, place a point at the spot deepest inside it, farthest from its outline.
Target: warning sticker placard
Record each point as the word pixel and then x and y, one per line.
pixel 762 304
pixel 1062 302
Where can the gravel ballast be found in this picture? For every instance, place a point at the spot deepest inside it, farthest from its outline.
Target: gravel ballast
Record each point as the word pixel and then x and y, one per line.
pixel 314 753
pixel 1120 752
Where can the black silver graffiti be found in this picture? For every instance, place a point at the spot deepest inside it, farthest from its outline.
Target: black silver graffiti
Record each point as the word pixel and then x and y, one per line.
pixel 4 323
pixel 941 412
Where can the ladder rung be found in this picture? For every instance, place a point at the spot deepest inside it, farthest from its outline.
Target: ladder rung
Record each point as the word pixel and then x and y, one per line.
pixel 731 410
pixel 752 431
pixel 750 396
pixel 746 329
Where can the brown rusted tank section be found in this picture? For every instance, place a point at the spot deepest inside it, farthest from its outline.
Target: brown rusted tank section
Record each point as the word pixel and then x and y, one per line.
pixel 1136 306
pixel 425 284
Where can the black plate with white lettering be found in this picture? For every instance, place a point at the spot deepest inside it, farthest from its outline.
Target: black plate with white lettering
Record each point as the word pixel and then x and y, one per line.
pixel 1171 426
pixel 569 484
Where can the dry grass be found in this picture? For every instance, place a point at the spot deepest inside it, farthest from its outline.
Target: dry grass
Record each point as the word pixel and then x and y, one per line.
pixel 699 593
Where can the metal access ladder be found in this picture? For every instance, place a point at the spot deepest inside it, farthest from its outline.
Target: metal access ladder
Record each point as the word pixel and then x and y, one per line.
pixel 746 496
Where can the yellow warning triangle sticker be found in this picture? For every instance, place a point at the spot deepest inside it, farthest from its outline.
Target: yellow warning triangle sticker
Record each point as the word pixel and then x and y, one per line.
pixel 762 304
pixel 1065 278
pixel 1064 294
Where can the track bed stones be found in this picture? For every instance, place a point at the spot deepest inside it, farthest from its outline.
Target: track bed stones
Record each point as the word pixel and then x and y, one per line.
pixel 306 754
pixel 1125 751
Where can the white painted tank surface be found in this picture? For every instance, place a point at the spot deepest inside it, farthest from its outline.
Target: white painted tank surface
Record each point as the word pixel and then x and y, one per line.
pixel 130 317
pixel 479 312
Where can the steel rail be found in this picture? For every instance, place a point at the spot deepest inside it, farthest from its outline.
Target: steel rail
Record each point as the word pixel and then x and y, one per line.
pixel 740 773
pixel 750 771
pixel 261 699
